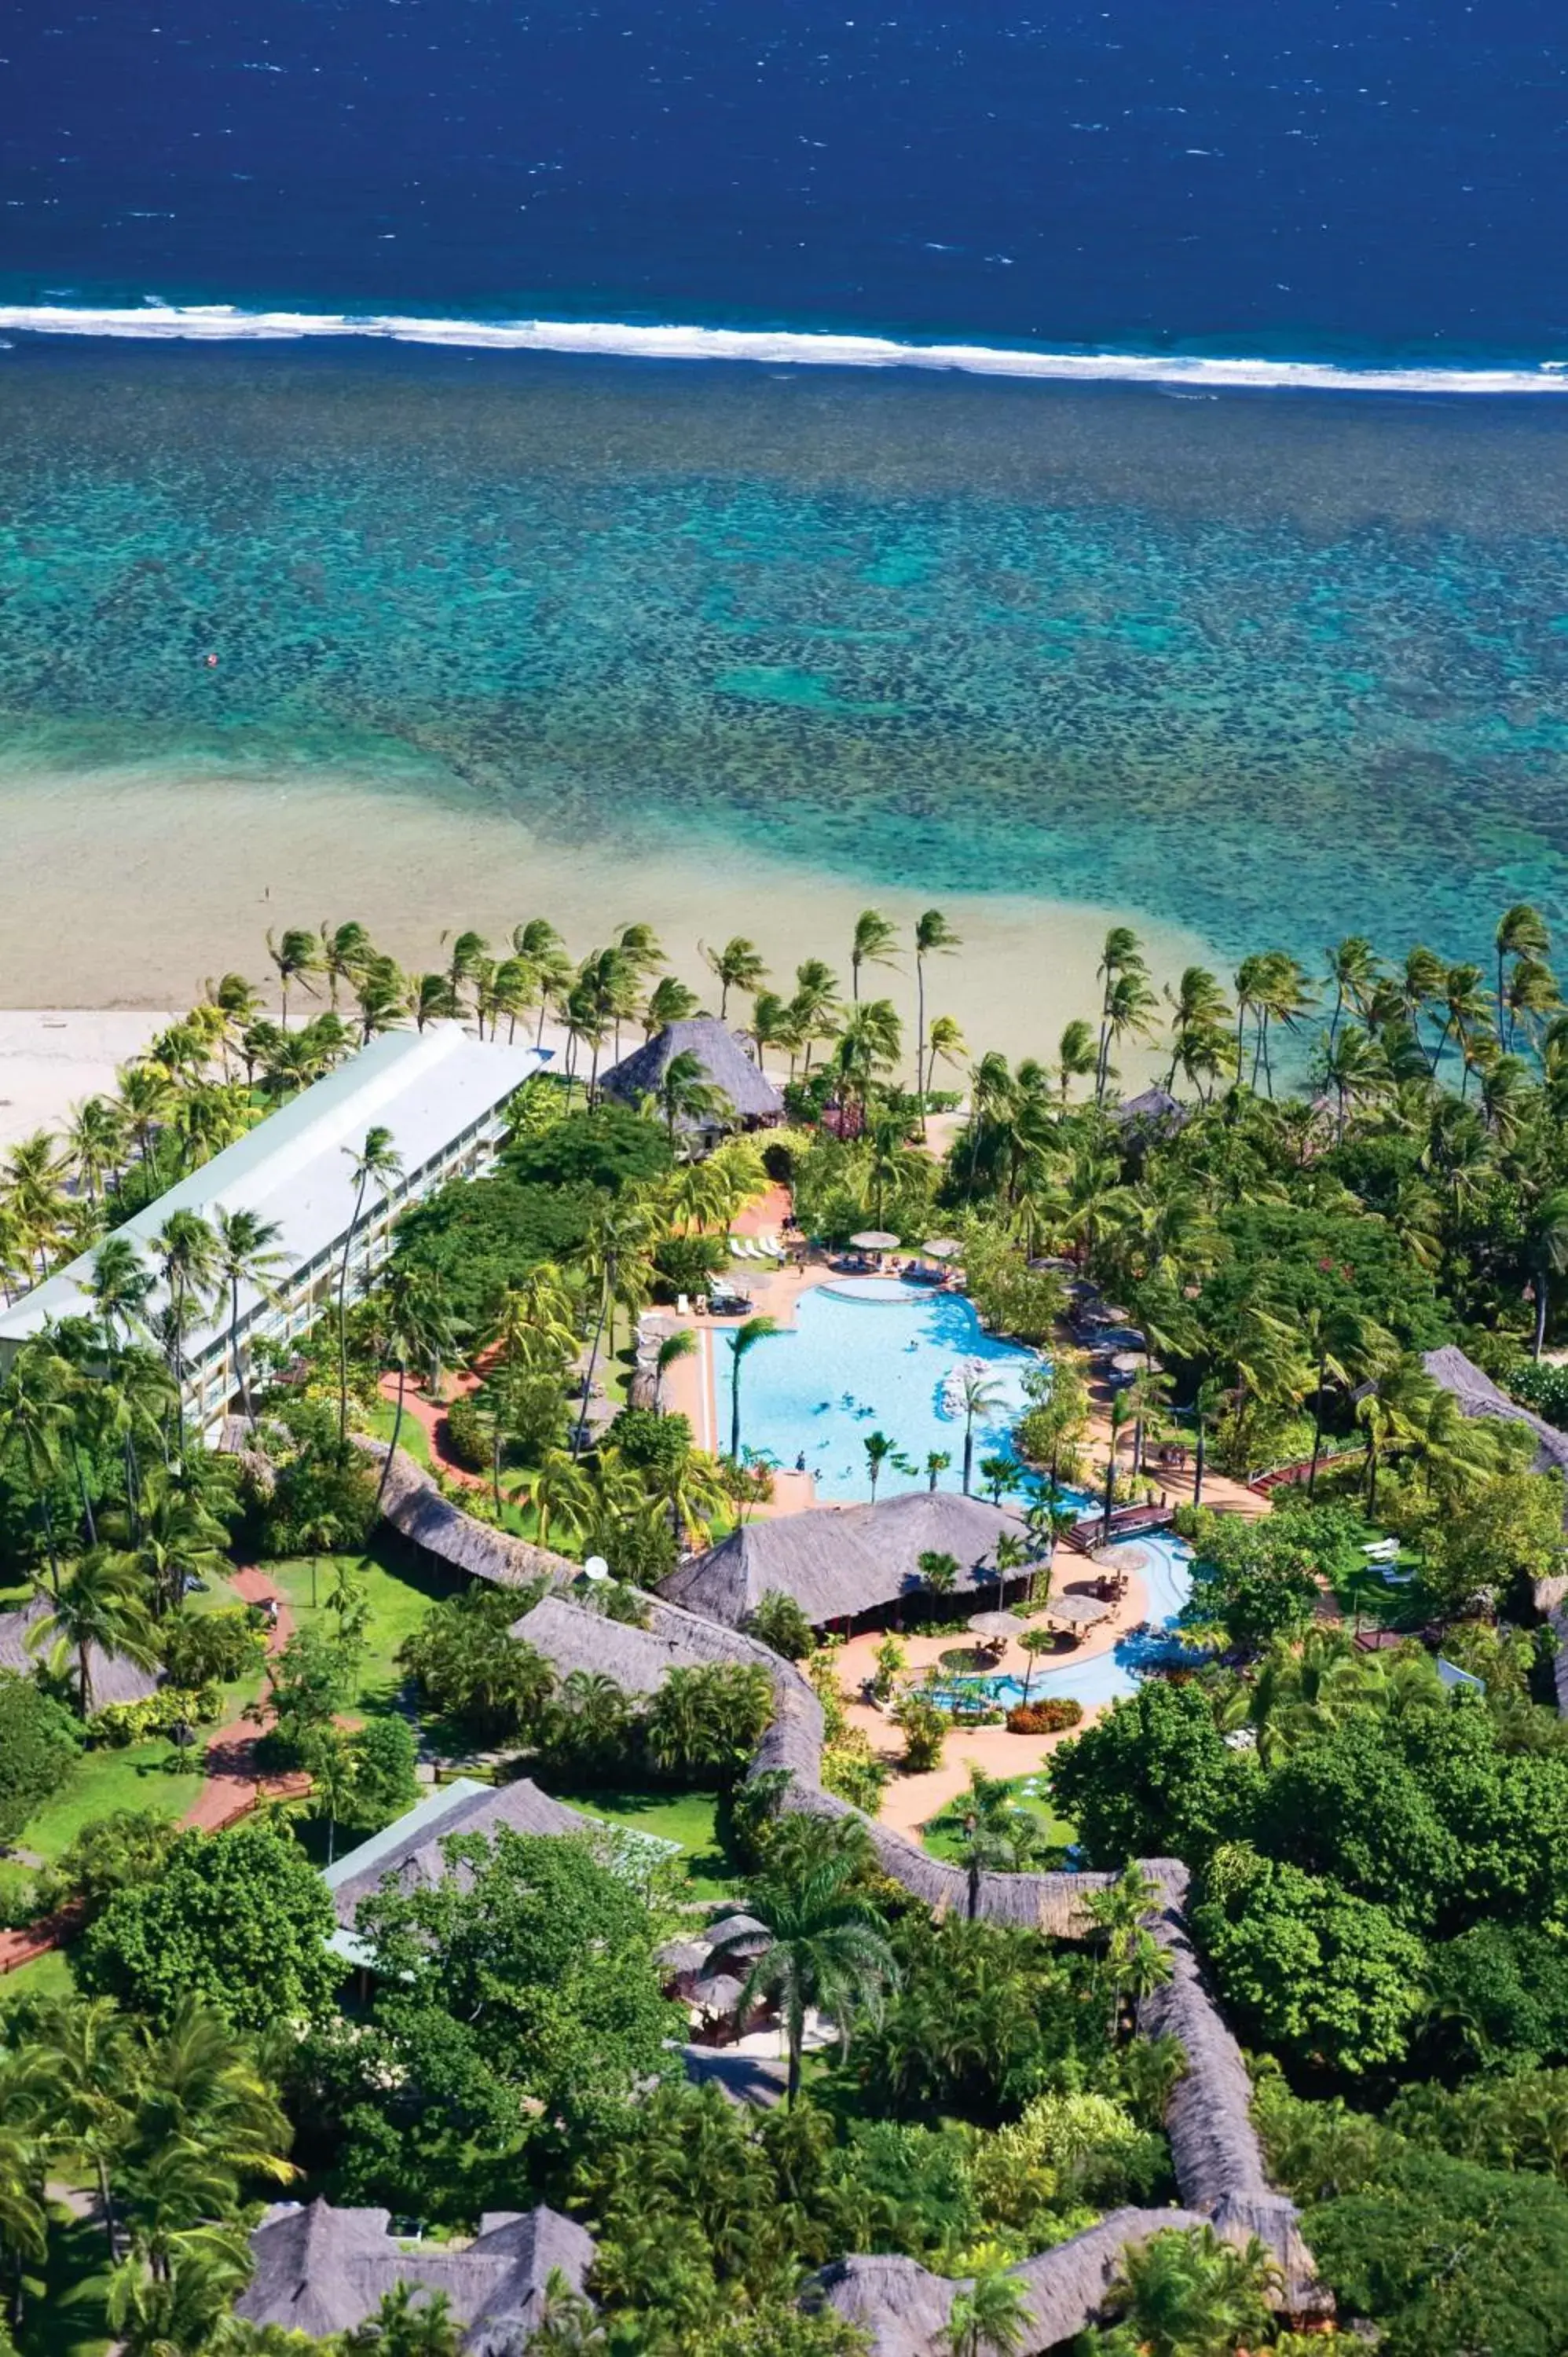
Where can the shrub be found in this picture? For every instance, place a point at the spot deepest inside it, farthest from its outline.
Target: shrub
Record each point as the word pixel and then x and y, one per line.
pixel 469 1433
pixel 1045 1717
pixel 164 1713
pixel 924 1727
pixel 707 1722
pixel 212 1648
pixel 114 1853
pixel 779 1623
pixel 467 1667
pixel 853 1770
pixel 690 1264
pixel 39 1745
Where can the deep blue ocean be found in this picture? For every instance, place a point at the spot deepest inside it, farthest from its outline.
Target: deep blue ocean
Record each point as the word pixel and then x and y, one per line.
pixel 1269 662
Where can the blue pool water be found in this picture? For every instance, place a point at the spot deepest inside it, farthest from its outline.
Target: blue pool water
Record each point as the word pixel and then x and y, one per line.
pixel 870 1356
pixel 1102 1677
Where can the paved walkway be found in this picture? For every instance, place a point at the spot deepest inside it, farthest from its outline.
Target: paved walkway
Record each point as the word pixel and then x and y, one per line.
pixel 234 1783
pixel 417 1408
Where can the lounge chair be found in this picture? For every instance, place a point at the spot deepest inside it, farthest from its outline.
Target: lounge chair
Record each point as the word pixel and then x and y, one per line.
pixel 682 1306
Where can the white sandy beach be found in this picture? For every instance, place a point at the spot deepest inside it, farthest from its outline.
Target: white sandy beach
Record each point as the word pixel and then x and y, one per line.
pixel 129 893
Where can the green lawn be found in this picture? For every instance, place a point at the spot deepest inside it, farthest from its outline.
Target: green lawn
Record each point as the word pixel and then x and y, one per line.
pixel 400 1594
pixel 413 1435
pixel 48 1975
pixel 689 1818
pixel 135 1778
pixel 943 1834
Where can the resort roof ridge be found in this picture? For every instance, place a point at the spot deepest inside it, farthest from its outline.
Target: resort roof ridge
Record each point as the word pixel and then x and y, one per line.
pixel 724 1061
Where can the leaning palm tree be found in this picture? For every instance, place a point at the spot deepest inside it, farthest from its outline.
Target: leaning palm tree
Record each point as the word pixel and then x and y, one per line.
pixel 875 942
pixel 682 1344
pixel 981 1394
pixel 1521 932
pixel 297 956
pixel 687 1099
pixel 102 1603
pixel 934 937
pixel 246 1255
pixel 375 1164
pixel 1548 1247
pixel 737 966
pixel 826 1950
pixel 744 1339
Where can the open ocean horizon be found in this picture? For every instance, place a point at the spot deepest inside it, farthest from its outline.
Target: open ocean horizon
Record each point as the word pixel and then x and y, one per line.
pixel 1091 454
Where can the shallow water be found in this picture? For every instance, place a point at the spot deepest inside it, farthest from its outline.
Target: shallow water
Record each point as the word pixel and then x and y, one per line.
pixel 1267 668
pixel 1104 1677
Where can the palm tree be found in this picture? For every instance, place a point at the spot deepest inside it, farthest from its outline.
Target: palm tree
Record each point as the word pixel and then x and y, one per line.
pixel 297 956
pixel 816 1006
pixel 1077 1056
pixel 995 1835
pixel 1355 1068
pixel 939 1571
pixel 1343 1346
pixel 878 1449
pixel 376 1163
pixel 739 966
pixel 687 1098
pixel 682 1344
pixel 744 1339
pixel 934 937
pixel 186 1250
pixel 936 1462
pixel 990 2318
pixel 560 1492
pixel 826 1950
pixel 1548 1247
pixel 95 1143
pixel 430 998
pixel 875 942
pixel 416 1327
pixel 1190 2295
pixel 982 1394
pixel 344 951
pixel 671 1001
pixel 1353 969
pixel 34 1419
pixel 1034 1642
pixel 92 2083
pixel 464 962
pixel 1521 932
pixel 103 1603
pixel 1122 1413
pixel 245 1256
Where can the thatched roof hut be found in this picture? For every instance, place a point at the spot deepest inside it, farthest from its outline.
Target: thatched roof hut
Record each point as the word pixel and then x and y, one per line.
pixel 408 1855
pixel 111 1677
pixel 320 2271
pixel 725 1066
pixel 1479 1396
pixel 416 1510
pixel 906 2310
pixel 839 1561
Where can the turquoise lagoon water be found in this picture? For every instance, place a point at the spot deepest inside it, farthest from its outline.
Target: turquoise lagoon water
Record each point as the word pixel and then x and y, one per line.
pixel 871 1357
pixel 1167 1581
pixel 1270 666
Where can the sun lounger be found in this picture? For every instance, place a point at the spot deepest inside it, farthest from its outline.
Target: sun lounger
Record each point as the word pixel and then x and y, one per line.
pixel 682 1308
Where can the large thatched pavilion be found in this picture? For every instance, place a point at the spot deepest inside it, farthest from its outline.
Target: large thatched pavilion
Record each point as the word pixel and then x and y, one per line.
pixel 846 1563
pixel 723 1064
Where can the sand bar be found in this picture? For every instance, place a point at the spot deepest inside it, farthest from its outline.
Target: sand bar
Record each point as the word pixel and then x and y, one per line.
pixel 131 892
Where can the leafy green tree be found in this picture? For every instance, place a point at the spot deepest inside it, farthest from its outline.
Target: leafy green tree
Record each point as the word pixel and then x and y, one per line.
pixel 1328 1980
pixel 1154 1778
pixel 239 1920
pixel 469 1668
pixel 39 1746
pixel 114 1852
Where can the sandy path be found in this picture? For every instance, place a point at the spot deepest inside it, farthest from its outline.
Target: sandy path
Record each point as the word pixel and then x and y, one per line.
pixel 234 1784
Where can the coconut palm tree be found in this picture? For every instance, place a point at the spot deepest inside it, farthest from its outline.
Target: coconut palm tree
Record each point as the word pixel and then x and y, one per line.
pixel 375 1164
pixel 345 949
pixel 103 1603
pixel 1352 971
pixel 936 1462
pixel 1547 1243
pixel 1034 1642
pixel 995 1835
pixel 826 1950
pixel 1077 1056
pixel 939 1570
pixel 430 998
pixel 934 937
pixel 1343 1346
pixel 186 1251
pixel 737 966
pixel 686 1098
pixel 671 1001
pixel 875 942
pixel 817 1007
pixel 1191 2295
pixel 245 1256
pixel 560 1492
pixel 94 2073
pixel 297 956
pixel 1198 1012
pixel 682 1344
pixel 878 1449
pixel 1355 1068
pixel 95 1144
pixel 982 1394
pixel 990 2316
pixel 417 1328
pixel 1521 932
pixel 744 1341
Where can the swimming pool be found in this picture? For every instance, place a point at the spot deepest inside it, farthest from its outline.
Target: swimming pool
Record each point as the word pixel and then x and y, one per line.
pixel 871 1354
pixel 1168 1583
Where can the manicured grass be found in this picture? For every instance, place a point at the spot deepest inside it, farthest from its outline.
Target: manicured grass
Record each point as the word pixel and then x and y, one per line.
pixel 689 1818
pixel 48 1975
pixel 944 1834
pixel 64 2313
pixel 412 1435
pixel 399 1593
pixel 135 1778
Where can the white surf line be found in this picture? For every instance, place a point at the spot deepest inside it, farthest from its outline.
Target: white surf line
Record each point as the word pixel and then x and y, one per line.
pixel 226 322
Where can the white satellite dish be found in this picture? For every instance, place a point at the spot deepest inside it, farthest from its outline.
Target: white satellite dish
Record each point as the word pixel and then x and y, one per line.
pixel 595 1569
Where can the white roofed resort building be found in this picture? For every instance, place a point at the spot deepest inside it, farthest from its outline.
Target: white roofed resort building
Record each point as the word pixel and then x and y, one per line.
pixel 440 1093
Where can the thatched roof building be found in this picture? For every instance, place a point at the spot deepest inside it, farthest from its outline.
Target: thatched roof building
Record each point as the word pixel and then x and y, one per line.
pixel 408 1856
pixel 416 1510
pixel 320 2271
pixel 906 2310
pixel 725 1066
pixel 1479 1396
pixel 839 1562
pixel 111 1677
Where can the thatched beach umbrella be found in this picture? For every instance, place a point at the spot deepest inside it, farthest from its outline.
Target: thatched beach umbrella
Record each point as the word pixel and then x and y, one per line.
pixel 1121 1558
pixel 1078 1611
pixel 941 1247
pixel 874 1239
pixel 999 1627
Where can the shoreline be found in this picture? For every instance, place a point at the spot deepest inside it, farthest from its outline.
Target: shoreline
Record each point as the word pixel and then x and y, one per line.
pixel 138 889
